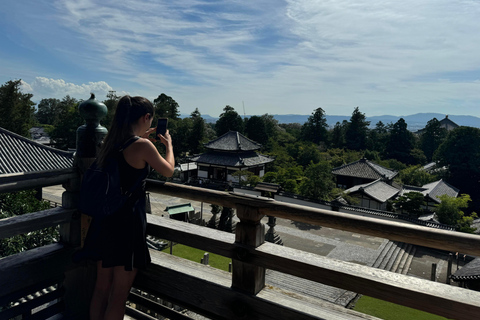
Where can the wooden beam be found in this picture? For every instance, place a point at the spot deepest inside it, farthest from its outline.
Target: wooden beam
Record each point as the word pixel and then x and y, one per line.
pixel 32 180
pixel 207 291
pixel 397 231
pixel 10 227
pixel 434 297
pixel 401 289
pixel 27 268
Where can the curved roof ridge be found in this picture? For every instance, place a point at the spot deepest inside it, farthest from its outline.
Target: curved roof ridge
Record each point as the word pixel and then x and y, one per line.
pixel 233 141
pixel 375 166
pixel 22 155
pixel 30 141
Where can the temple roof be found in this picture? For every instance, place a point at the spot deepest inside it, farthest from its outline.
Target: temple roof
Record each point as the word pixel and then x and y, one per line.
pixel 233 141
pixel 236 159
pixel 366 169
pixel 433 190
pixel 21 155
pixel 471 271
pixel 377 190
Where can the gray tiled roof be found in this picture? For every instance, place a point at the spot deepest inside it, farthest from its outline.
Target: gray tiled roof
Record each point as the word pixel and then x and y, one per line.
pixel 366 169
pixel 233 141
pixel 377 190
pixel 433 190
pixel 471 271
pixel 21 155
pixel 439 188
pixel 240 159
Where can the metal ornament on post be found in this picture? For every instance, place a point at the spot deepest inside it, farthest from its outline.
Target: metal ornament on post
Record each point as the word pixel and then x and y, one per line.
pixel 91 134
pixel 79 282
pixel 89 140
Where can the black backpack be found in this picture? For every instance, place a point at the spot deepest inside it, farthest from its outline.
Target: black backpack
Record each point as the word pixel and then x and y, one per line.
pixel 101 194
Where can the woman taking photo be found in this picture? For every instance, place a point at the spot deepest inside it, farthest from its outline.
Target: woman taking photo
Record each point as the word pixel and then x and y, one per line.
pixel 118 242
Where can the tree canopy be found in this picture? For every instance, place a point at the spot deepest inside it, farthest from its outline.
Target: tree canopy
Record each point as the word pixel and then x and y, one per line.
pixel 357 131
pixel 17 111
pixel 316 127
pixel 166 107
pixel 229 120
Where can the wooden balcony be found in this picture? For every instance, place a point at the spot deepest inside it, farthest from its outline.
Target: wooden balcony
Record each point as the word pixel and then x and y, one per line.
pixel 213 293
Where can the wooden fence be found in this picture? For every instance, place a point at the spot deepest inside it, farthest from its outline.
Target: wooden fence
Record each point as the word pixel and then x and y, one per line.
pixel 241 294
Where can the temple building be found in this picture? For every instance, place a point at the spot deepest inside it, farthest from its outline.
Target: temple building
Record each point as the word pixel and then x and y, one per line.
pixel 230 153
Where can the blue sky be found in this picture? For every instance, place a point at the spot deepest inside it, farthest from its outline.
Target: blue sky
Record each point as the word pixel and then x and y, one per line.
pixel 277 57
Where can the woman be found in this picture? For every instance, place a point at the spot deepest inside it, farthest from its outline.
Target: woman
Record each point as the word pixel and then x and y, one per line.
pixel 118 242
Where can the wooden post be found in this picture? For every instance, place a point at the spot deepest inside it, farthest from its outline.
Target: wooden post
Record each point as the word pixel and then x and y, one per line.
pixel 434 272
pixel 249 233
pixel 80 279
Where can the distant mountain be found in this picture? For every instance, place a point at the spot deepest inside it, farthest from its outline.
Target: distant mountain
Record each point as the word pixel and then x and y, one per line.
pixel 415 121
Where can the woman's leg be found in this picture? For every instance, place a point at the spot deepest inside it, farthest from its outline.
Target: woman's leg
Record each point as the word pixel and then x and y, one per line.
pixel 121 284
pixel 101 294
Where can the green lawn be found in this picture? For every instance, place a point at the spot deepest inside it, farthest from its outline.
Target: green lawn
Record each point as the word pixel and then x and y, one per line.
pixel 375 307
pixel 196 255
pixel 390 311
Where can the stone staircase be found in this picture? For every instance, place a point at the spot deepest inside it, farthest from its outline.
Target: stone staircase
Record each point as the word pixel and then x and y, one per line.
pixel 395 257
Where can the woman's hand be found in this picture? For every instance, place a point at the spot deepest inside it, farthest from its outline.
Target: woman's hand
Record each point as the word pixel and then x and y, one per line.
pixel 147 134
pixel 166 139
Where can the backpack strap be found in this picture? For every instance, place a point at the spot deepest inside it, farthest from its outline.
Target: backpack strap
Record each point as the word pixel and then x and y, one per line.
pixel 136 186
pixel 128 142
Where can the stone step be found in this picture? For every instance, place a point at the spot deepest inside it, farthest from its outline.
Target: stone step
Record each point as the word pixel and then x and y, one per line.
pixel 409 260
pixel 388 255
pixel 403 258
pixel 398 257
pixel 393 256
pixel 383 254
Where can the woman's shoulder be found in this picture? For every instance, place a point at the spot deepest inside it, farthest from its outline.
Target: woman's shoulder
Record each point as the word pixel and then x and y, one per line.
pixel 143 144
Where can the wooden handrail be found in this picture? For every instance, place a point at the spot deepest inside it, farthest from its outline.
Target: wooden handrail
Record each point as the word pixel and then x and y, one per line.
pixel 12 226
pixel 32 180
pixel 397 231
pixel 434 297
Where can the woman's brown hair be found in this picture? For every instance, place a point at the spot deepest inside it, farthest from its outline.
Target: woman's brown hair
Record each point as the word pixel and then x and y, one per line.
pixel 128 111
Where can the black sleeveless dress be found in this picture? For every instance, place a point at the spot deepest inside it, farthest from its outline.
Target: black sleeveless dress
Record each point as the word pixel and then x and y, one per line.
pixel 120 239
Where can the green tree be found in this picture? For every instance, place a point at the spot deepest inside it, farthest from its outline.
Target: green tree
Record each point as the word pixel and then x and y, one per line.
pixel 318 181
pixel 197 133
pixel 316 128
pixel 19 203
pixel 256 130
pixel 460 153
pixel 377 138
pixel 67 121
pixel 229 120
pixel 166 107
pixel 110 103
pixel 432 137
pixel 17 111
pixel 338 139
pixel 416 176
pixel 449 212
pixel 272 130
pixel 411 203
pixel 357 131
pixel 47 111
pixel 400 142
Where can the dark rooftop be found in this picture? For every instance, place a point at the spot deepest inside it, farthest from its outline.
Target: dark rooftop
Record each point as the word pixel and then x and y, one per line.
pixel 471 271
pixel 21 155
pixel 366 169
pixel 233 141
pixel 242 159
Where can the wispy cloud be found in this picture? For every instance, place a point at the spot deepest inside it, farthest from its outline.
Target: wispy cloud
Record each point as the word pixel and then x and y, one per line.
pixel 397 57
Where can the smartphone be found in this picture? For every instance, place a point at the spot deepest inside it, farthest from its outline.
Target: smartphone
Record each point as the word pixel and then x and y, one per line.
pixel 162 126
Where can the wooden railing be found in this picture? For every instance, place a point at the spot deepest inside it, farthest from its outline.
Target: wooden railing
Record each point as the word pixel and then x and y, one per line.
pixel 241 294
